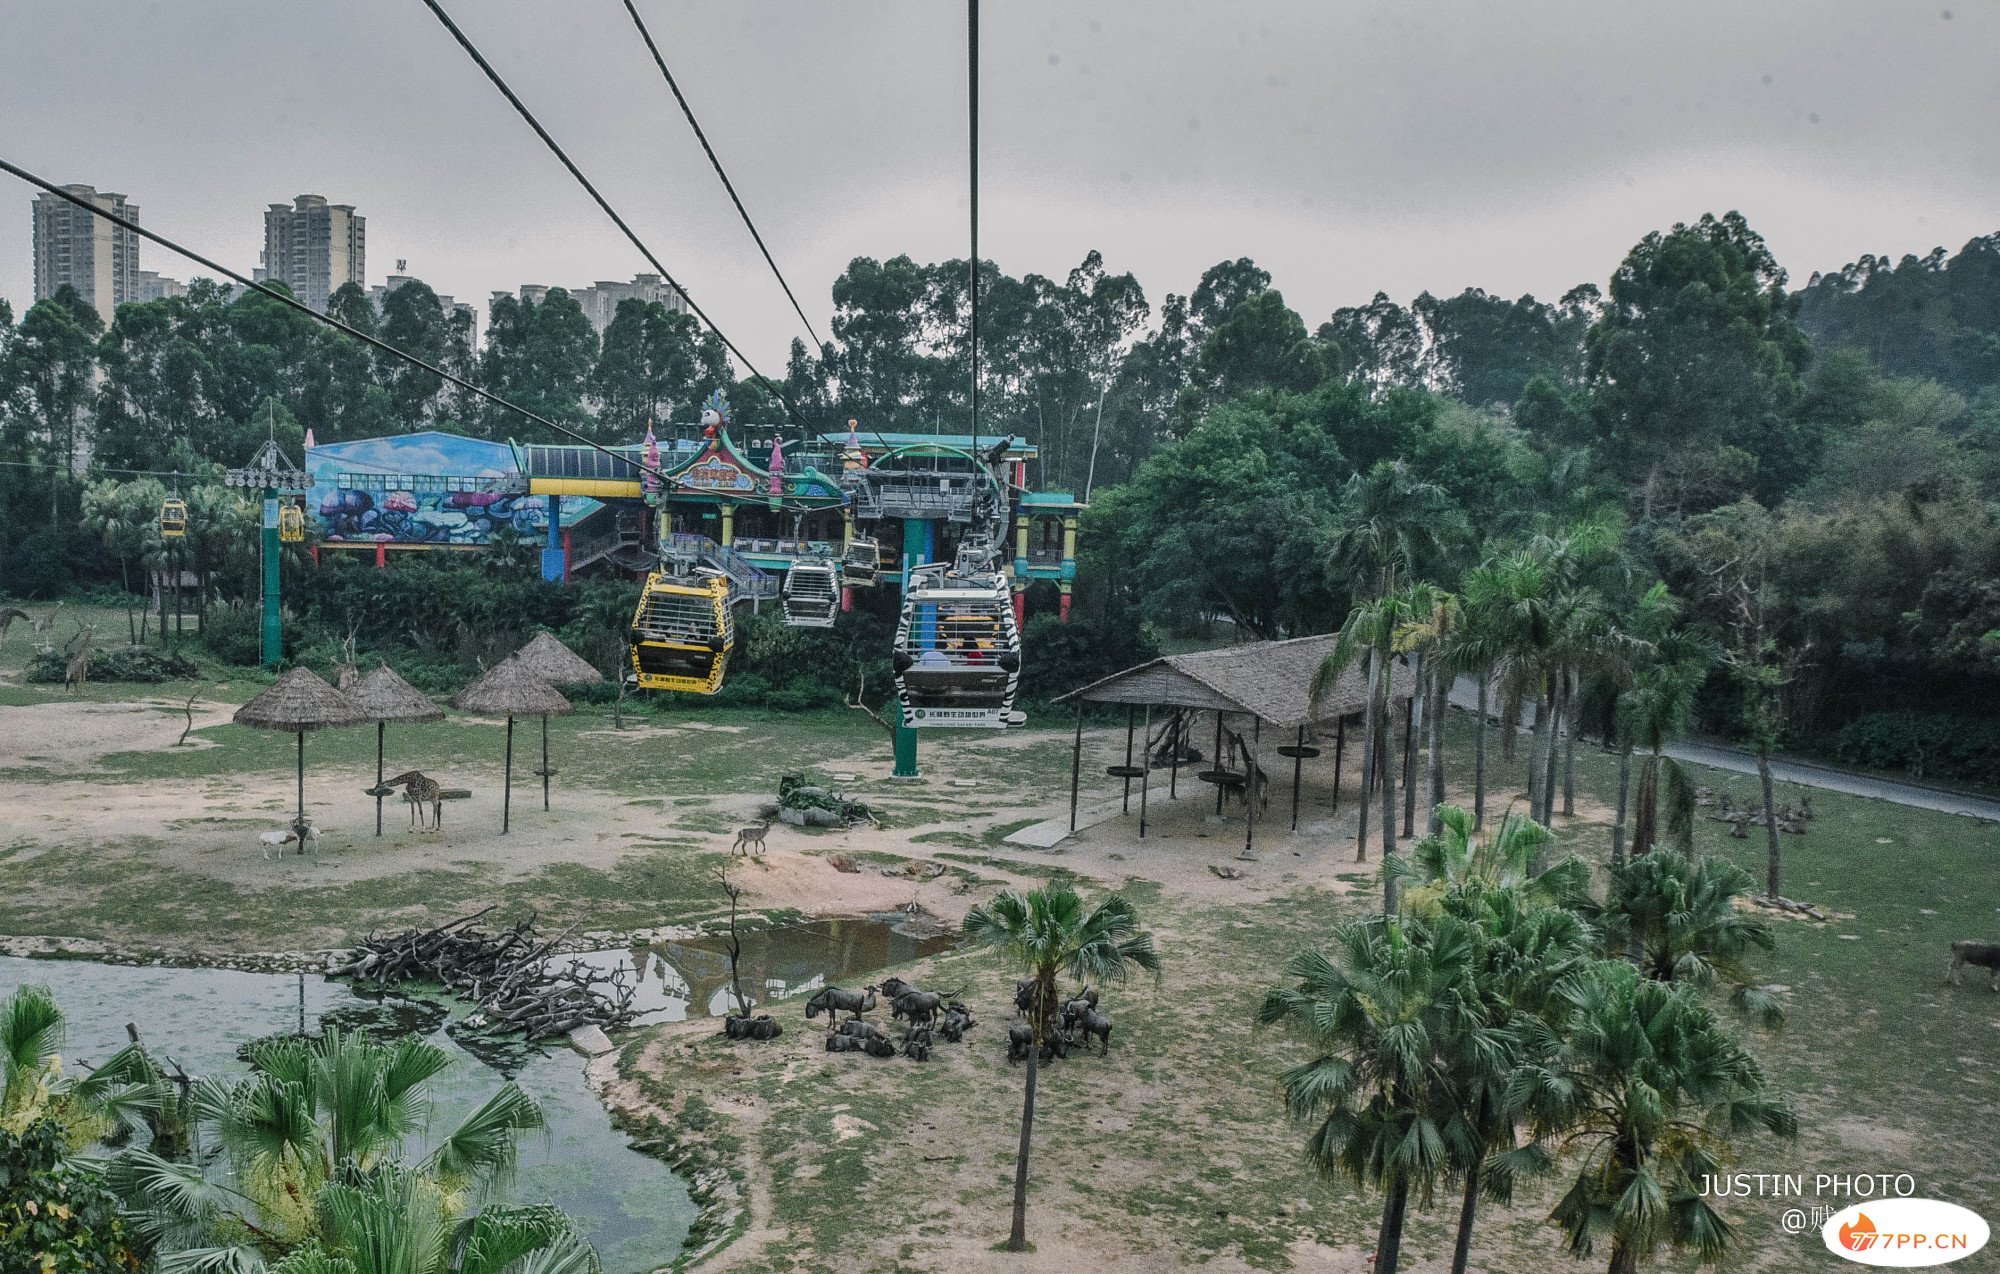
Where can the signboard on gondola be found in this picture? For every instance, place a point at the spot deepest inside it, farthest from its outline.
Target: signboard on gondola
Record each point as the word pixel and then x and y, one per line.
pixel 963 718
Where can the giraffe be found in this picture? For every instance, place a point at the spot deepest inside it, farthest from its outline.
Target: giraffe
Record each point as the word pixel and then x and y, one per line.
pixel 419 791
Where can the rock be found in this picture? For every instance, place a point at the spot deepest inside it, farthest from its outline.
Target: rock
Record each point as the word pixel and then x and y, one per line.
pixel 591 1040
pixel 796 818
pixel 817 817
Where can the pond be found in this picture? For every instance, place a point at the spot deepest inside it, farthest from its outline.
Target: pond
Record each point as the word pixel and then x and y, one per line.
pixel 632 1207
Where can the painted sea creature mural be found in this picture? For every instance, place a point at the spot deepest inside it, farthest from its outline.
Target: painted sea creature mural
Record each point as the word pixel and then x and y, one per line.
pixel 425 488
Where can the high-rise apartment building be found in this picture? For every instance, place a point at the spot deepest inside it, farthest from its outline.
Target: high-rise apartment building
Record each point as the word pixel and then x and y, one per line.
pixel 84 251
pixel 314 247
pixel 600 300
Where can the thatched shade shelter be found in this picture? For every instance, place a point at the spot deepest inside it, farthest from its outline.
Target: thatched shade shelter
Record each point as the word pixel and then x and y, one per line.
pixel 509 690
pixel 558 665
pixel 382 696
pixel 1269 682
pixel 299 701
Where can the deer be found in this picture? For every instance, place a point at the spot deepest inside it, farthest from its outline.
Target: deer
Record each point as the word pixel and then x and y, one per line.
pixel 747 837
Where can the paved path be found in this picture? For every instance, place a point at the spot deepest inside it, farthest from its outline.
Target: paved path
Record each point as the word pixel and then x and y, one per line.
pixel 1465 694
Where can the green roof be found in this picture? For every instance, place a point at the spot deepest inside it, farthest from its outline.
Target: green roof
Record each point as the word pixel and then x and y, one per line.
pixel 1049 500
pixel 962 442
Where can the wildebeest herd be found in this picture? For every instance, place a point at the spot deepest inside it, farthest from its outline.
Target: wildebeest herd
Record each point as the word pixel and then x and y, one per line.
pixel 929 1017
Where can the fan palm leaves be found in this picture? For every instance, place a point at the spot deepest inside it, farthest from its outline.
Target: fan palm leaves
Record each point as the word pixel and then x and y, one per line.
pixel 1680 915
pixel 1505 862
pixel 312 1117
pixel 1383 1009
pixel 122 1093
pixel 1638 1080
pixel 1048 933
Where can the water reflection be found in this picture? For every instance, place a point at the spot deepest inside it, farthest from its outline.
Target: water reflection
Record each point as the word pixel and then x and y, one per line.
pixel 777 964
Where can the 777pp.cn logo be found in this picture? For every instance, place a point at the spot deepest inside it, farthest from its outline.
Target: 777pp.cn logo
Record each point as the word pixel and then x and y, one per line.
pixel 1904 1233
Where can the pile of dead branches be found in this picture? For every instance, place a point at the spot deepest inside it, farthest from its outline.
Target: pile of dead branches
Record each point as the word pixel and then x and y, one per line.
pixel 517 981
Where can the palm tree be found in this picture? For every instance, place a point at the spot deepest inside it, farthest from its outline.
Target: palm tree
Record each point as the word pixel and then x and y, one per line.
pixel 1432 635
pixel 1370 633
pixel 1654 708
pixel 395 1221
pixel 1526 949
pixel 1381 1011
pixel 1479 647
pixel 34 1087
pixel 311 1116
pixel 1391 525
pixel 1046 933
pixel 1640 1079
pixel 1680 915
pixel 1507 861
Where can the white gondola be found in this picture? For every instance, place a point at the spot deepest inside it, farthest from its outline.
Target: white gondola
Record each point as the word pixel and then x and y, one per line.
pixel 957 655
pixel 812 594
pixel 862 563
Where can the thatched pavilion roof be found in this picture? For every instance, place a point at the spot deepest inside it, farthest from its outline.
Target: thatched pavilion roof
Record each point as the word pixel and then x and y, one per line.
pixel 381 695
pixel 1271 680
pixel 298 701
pixel 551 661
pixel 508 689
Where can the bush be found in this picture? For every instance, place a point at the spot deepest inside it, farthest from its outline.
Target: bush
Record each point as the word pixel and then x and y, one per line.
pixel 119 663
pixel 1934 746
pixel 56 1219
pixel 234 635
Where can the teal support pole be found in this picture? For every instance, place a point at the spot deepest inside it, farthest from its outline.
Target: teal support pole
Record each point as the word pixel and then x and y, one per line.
pixel 919 541
pixel 555 568
pixel 274 633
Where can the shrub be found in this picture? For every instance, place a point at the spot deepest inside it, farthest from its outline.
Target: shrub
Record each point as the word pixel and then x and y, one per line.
pixel 56 1219
pixel 1936 746
pixel 234 635
pixel 118 663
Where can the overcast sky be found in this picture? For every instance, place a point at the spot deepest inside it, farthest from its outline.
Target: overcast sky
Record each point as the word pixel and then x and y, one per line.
pixel 1347 147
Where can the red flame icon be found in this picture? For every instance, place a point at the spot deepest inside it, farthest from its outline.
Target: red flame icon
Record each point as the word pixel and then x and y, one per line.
pixel 1858 1236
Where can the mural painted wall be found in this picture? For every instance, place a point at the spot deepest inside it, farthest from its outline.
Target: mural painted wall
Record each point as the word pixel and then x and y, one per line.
pixel 425 488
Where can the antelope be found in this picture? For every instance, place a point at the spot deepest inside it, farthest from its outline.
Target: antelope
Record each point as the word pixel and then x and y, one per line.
pixel 746 837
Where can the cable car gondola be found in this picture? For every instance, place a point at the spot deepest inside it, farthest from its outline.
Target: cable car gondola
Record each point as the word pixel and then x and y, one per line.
pixel 682 632
pixel 291 524
pixel 173 519
pixel 812 594
pixel 862 562
pixel 958 650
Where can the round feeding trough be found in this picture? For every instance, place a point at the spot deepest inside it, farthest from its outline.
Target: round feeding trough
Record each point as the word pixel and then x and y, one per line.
pixel 1305 750
pixel 1125 771
pixel 1225 778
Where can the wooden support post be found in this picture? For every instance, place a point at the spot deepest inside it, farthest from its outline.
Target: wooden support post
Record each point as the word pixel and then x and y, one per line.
pixel 381 728
pixel 1145 770
pixel 1298 770
pixel 507 784
pixel 1075 765
pixel 1174 770
pixel 1125 802
pixel 545 762
pixel 300 829
pixel 1339 750
pixel 1250 787
pixel 1215 762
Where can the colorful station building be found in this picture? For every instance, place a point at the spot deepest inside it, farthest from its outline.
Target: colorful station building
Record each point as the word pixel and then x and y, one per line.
pixel 751 506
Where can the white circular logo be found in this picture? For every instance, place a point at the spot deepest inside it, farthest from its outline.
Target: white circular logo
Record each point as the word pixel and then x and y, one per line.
pixel 1904 1233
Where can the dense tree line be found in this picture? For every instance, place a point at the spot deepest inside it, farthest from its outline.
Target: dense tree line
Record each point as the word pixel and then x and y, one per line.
pixel 1217 430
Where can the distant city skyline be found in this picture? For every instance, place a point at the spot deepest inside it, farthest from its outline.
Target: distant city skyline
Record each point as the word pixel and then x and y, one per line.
pixel 1400 147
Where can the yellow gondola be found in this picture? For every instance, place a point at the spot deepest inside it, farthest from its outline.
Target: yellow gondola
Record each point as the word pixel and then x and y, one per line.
pixel 682 633
pixel 291 524
pixel 173 519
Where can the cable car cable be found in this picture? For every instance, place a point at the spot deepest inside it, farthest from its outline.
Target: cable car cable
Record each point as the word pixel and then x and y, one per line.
pixel 292 302
pixel 716 163
pixel 521 108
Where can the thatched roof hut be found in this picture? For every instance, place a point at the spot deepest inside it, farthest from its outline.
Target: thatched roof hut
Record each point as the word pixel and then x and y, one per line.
pixel 381 695
pixel 1268 680
pixel 298 701
pixel 555 663
pixel 509 689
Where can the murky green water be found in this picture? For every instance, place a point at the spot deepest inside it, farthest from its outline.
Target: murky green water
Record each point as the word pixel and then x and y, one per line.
pixel 633 1208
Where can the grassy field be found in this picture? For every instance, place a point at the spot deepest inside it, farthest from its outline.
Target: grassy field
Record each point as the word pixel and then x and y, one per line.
pixel 1172 1152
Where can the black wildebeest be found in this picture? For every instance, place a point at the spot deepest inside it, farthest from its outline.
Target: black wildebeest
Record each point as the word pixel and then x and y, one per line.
pixel 833 1001
pixel 1984 954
